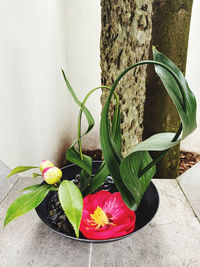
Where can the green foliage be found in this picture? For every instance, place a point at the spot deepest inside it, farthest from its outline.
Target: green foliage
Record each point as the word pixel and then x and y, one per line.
pixel 72 203
pixel 133 174
pixel 27 202
pixel 20 169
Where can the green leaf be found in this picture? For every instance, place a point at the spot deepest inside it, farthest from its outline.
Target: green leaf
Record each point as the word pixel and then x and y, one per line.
pixel 36 175
pixel 98 179
pixel 111 158
pixel 74 157
pixel 85 180
pixel 180 93
pixel 26 202
pixel 157 142
pixel 31 187
pixel 21 169
pixel 72 154
pixel 116 131
pixel 72 203
pixel 87 113
pixel 36 186
pixel 126 171
pixel 130 168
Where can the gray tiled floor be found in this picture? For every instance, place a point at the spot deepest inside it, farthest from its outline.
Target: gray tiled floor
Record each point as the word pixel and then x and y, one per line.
pixel 172 238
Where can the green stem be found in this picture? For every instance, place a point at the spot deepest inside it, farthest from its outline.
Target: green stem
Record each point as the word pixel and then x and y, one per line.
pixel 81 111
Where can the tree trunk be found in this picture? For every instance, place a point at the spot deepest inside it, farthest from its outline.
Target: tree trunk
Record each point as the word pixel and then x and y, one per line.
pixel 170 31
pixel 125 39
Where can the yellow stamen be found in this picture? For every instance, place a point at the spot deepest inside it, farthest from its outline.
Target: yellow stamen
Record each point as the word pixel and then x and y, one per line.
pixel 99 218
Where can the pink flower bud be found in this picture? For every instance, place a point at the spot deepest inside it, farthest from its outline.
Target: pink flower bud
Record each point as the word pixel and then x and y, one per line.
pixel 52 175
pixel 45 164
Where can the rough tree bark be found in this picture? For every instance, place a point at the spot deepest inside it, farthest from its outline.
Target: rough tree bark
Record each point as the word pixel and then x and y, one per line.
pixel 170 31
pixel 125 39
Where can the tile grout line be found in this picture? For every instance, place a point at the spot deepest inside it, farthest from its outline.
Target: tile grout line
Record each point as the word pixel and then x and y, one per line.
pixel 90 256
pixel 187 200
pixel 1 202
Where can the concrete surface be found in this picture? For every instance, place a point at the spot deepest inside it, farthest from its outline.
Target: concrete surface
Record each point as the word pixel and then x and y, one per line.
pixel 6 184
pixel 190 184
pixel 172 238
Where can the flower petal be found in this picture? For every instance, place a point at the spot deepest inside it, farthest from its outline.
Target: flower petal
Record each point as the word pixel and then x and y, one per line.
pixel 121 218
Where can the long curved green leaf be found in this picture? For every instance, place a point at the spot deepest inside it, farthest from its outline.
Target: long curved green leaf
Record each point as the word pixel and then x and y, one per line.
pixel 87 113
pixel 157 142
pixel 139 159
pixel 111 158
pixel 183 97
pixel 20 169
pixel 26 202
pixel 72 154
pixel 130 168
pixel 72 203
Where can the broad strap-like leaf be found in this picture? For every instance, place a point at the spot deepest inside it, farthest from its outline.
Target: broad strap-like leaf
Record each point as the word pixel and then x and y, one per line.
pixel 20 169
pixel 73 156
pixel 85 180
pixel 111 158
pixel 98 179
pixel 26 202
pixel 182 96
pixel 157 142
pixel 130 168
pixel 87 113
pixel 72 203
pixel 138 159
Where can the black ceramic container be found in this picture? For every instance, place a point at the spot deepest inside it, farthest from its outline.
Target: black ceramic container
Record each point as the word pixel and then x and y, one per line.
pixel 144 214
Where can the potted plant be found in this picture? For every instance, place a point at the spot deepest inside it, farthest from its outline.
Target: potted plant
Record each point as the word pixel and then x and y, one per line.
pixel 75 193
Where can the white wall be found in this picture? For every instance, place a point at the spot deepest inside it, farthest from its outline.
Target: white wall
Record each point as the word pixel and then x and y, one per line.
pixel 192 143
pixel 38 37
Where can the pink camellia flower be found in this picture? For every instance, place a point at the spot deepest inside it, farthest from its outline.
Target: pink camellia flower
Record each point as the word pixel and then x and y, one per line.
pixel 52 175
pixel 105 215
pixel 45 164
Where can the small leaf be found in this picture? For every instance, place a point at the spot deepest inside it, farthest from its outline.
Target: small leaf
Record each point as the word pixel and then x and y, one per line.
pixel 26 202
pixel 31 187
pixel 72 203
pixel 36 186
pixel 36 175
pixel 20 169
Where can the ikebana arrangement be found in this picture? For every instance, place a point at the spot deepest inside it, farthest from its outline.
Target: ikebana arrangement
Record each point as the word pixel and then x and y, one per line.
pixel 99 214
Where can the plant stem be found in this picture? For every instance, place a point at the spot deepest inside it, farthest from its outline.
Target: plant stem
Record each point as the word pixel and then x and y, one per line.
pixel 81 111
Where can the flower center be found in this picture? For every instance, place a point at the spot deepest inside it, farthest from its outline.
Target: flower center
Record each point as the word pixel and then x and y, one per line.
pixel 99 218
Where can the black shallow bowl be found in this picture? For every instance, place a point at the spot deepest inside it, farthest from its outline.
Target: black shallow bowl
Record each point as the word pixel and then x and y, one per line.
pixel 144 214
